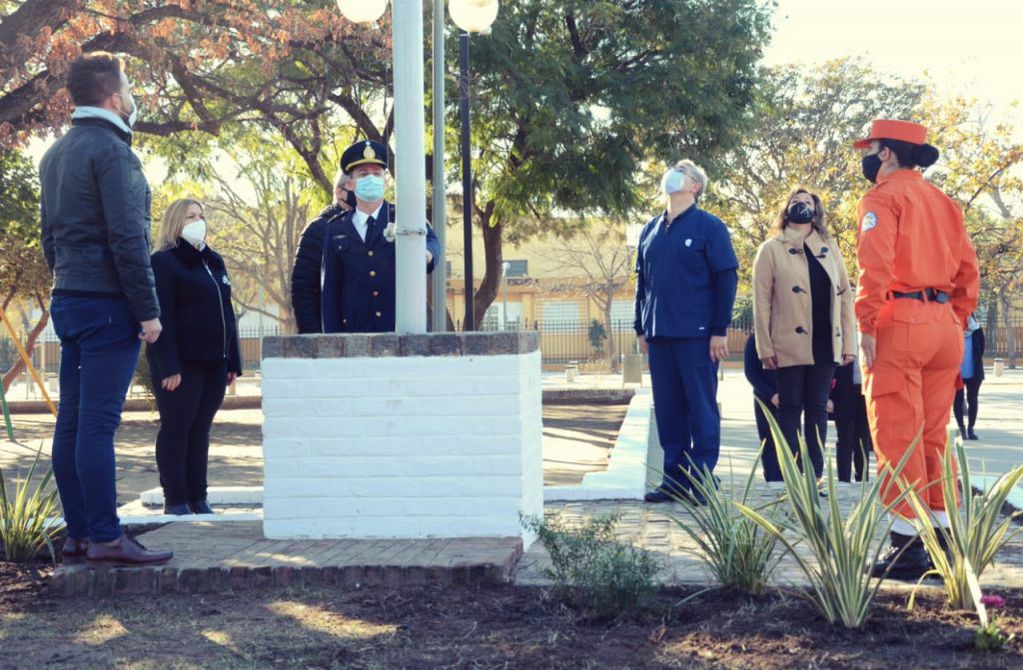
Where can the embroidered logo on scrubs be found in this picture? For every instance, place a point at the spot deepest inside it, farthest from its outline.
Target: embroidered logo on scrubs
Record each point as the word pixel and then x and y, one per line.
pixel 869 221
pixel 689 241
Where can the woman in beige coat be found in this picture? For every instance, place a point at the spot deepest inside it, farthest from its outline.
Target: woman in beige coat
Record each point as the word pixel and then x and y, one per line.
pixel 804 319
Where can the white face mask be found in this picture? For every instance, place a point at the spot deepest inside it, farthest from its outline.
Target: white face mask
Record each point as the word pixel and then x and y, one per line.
pixel 195 234
pixel 133 115
pixel 673 181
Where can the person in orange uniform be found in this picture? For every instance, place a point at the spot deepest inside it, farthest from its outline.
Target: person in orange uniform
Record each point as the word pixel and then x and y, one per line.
pixel 918 283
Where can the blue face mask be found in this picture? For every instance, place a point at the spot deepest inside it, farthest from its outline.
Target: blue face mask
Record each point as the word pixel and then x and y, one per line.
pixel 369 188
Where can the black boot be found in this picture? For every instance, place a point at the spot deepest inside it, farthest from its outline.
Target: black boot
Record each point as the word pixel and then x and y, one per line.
pixel 200 507
pixel 176 510
pixel 970 435
pixel 905 559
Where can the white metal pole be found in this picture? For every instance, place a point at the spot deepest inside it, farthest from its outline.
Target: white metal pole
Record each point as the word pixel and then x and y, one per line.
pixel 410 167
pixel 440 273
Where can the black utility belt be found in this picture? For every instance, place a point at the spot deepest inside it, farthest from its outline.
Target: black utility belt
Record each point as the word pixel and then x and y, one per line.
pixel 926 295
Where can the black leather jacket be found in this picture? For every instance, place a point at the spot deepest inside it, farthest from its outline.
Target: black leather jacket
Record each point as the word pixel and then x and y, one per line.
pixel 95 217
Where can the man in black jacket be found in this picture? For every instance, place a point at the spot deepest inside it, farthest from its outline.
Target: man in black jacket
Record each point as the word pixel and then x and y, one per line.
pixel 305 277
pixel 95 236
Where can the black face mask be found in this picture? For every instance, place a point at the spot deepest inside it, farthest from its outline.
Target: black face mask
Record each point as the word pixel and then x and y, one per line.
pixel 871 166
pixel 800 212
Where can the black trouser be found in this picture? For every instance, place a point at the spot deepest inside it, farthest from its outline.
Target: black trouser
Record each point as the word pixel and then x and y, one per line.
pixel 768 457
pixel 969 397
pixel 803 391
pixel 854 445
pixel 183 443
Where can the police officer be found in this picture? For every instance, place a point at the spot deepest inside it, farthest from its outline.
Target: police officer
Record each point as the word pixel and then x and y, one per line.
pixel 918 283
pixel 358 279
pixel 685 290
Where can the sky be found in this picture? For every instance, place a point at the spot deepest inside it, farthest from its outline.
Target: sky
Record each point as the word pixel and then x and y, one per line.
pixel 973 47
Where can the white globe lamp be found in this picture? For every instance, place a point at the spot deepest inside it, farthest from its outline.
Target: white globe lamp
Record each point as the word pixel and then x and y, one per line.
pixel 362 11
pixel 473 16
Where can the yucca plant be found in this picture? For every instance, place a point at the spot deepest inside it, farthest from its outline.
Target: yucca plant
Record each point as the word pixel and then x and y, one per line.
pixel 977 528
pixel 27 519
pixel 738 551
pixel 844 549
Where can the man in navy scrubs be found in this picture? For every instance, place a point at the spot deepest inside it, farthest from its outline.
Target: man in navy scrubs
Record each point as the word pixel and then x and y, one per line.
pixel 685 290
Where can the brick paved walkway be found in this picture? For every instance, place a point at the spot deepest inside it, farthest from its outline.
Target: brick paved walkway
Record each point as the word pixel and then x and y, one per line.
pixel 234 555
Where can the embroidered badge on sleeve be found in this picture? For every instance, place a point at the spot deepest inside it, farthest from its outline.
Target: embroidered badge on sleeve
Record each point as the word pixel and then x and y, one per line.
pixel 869 221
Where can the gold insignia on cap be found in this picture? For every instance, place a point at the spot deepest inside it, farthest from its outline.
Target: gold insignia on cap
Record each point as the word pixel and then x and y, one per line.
pixel 368 153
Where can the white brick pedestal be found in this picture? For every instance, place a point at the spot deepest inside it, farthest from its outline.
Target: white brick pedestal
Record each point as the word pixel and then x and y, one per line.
pixel 412 436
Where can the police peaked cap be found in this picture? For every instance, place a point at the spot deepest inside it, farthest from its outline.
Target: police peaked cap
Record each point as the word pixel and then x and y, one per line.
pixel 366 152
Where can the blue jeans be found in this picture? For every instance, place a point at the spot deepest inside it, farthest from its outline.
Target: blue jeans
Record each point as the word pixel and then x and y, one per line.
pixel 685 386
pixel 99 349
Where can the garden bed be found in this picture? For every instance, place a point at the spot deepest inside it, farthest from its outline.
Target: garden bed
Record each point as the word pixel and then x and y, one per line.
pixel 495 627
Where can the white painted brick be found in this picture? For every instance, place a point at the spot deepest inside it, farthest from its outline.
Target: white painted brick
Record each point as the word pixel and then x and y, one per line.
pixel 492 486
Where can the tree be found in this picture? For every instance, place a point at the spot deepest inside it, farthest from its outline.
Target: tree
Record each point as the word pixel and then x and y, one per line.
pixel 570 99
pixel 258 239
pixel 23 272
pixel 597 257
pixel 807 122
pixel 980 168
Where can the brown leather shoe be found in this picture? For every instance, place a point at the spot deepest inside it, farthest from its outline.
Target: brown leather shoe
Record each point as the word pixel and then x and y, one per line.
pixel 128 551
pixel 74 550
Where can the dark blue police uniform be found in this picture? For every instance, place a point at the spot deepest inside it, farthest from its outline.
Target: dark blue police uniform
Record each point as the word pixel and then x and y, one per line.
pixel 685 290
pixel 358 277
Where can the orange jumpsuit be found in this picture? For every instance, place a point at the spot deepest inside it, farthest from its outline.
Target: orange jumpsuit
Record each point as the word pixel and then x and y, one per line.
pixel 912 238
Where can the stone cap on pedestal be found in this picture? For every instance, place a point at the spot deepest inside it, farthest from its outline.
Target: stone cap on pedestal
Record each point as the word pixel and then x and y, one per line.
pixel 381 345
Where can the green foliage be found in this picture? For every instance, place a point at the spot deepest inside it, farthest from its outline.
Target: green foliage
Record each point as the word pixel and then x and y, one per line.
pixel 593 570
pixel 806 121
pixel 26 518
pixel 977 528
pixel 23 271
pixel 597 334
pixel 991 638
pixel 739 552
pixel 839 574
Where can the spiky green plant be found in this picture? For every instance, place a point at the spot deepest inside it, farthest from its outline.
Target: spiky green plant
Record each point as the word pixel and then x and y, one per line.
pixel 738 551
pixel 27 518
pixel 977 528
pixel 843 549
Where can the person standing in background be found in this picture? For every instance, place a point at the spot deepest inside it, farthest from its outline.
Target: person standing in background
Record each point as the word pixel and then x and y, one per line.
pixel 685 291
pixel 197 358
pixel 765 390
pixel 972 372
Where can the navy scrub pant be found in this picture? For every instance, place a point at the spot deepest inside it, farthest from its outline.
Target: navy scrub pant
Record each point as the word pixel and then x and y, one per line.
pixel 685 386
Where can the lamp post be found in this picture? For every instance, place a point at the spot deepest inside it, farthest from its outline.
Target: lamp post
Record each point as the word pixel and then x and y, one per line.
pixel 440 270
pixel 472 16
pixel 409 127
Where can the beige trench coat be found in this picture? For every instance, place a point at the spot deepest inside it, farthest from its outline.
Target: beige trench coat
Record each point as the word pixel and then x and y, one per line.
pixel 782 306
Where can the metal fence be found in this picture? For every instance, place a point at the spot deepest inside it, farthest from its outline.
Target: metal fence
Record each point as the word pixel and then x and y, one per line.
pixel 561 342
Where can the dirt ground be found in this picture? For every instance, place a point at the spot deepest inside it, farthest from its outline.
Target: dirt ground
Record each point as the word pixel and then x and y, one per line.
pixel 577 440
pixel 510 627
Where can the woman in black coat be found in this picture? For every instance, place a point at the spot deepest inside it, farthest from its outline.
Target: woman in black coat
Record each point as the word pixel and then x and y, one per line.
pixel 196 357
pixel 972 372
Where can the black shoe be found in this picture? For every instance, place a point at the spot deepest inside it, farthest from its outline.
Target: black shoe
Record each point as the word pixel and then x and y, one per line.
pixel 943 543
pixel 176 510
pixel 970 435
pixel 659 495
pixel 962 434
pixel 200 507
pixel 905 559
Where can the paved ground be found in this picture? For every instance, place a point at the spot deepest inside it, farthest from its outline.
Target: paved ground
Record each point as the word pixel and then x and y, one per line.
pixel 582 441
pixel 1000 426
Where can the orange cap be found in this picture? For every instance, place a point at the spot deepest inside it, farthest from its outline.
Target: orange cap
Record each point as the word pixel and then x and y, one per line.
pixel 890 129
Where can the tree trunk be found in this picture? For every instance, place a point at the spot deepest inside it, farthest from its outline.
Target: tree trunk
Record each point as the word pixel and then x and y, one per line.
pixel 1005 297
pixel 612 357
pixel 19 364
pixel 494 256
